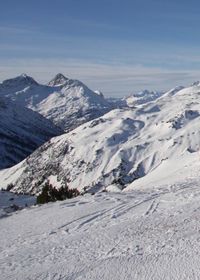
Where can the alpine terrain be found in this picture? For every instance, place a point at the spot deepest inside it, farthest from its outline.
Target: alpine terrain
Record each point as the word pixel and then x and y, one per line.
pixel 66 102
pixel 152 143
pixel 142 97
pixel 21 132
pixel 99 140
pixel 138 218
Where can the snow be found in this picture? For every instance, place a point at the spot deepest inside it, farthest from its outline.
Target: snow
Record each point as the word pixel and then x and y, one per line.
pixel 139 167
pixel 142 234
pixel 124 148
pixel 10 202
pixel 53 180
pixel 174 170
pixel 58 80
pixel 142 97
pixel 66 102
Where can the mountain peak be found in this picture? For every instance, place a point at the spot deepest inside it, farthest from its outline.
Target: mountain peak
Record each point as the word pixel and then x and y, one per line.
pixel 98 92
pixel 196 83
pixel 21 80
pixel 58 80
pixel 24 75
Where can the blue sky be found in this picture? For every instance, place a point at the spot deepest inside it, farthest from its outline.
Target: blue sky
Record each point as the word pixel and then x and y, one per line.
pixel 116 46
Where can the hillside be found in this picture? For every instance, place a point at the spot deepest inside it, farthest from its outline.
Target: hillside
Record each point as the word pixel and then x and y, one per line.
pixel 116 150
pixel 21 132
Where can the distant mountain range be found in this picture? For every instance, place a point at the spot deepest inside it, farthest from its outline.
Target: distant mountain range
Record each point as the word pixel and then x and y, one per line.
pixel 66 102
pixel 142 97
pixel 152 143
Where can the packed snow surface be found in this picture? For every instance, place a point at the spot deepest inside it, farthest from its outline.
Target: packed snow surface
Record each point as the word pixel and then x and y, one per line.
pixel 143 234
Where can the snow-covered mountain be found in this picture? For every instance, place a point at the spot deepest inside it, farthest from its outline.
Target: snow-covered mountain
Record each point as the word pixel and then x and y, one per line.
pixel 21 132
pixel 17 84
pixel 148 231
pixel 68 103
pixel 136 99
pixel 157 140
pixel 142 97
pixel 58 80
pixel 117 102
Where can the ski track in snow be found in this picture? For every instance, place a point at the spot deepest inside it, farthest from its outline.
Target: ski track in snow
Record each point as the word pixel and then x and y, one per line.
pixel 149 234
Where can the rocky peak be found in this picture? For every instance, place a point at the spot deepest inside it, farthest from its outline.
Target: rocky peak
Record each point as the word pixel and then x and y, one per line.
pixel 58 80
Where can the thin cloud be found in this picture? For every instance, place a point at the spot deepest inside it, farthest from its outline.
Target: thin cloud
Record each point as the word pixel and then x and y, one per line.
pixel 15 30
pixel 113 80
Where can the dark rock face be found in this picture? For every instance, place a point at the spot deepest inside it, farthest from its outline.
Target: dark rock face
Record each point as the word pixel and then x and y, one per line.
pixel 21 132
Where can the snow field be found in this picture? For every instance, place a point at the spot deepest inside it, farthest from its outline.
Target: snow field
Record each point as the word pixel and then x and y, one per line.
pixel 151 234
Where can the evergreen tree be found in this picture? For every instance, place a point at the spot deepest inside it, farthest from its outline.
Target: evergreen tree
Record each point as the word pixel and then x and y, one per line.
pixel 51 194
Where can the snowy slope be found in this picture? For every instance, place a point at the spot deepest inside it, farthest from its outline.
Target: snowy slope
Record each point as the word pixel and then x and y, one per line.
pixel 11 202
pixel 16 84
pixel 21 132
pixel 68 103
pixel 25 91
pixel 116 150
pixel 140 235
pixel 72 104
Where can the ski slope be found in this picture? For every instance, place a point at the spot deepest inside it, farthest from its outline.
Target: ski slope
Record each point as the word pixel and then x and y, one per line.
pixel 142 234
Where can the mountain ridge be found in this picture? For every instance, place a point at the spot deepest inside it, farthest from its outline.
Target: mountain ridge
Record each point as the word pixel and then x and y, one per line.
pixel 66 102
pixel 117 149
